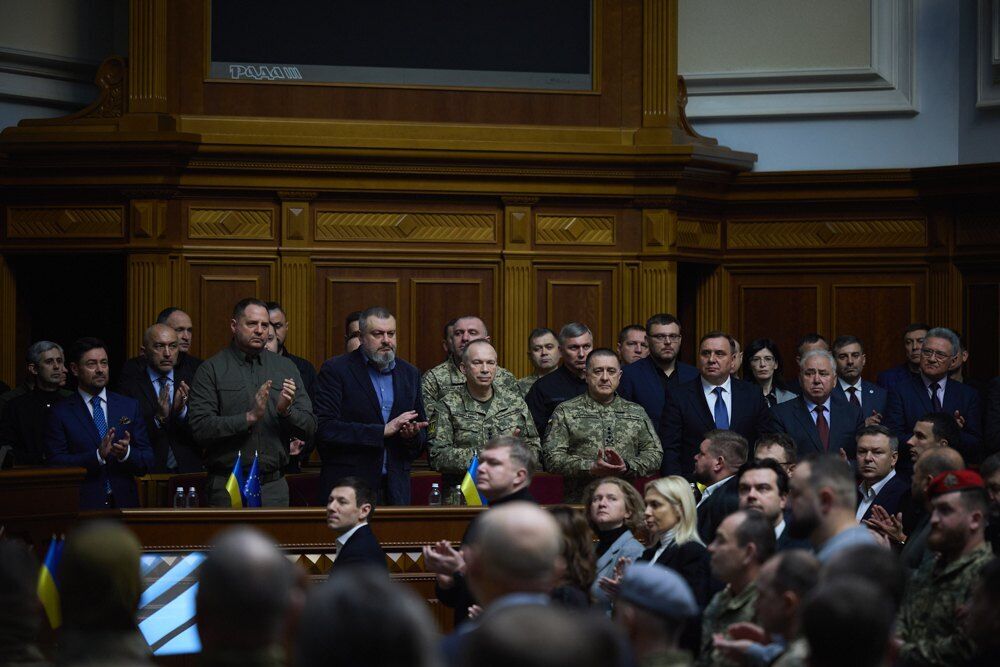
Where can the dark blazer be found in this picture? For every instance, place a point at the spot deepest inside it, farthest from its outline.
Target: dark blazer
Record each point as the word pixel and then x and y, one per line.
pixel 306 370
pixel 349 432
pixel 909 401
pixel 724 501
pixel 792 417
pixel 888 379
pixel 873 397
pixel 360 549
pixel 690 560
pixel 991 419
pixel 786 542
pixel 894 496
pixel 136 367
pixel 686 418
pixel 71 440
pixel 175 433
pixel 642 383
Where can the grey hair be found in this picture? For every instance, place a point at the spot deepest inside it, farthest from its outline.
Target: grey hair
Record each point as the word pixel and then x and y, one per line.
pixel 948 335
pixel 817 353
pixel 36 350
pixel 572 330
pixel 477 341
pixel 379 312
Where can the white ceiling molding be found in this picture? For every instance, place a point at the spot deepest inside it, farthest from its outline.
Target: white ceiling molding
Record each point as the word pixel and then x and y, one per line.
pixel 49 80
pixel 886 86
pixel 988 55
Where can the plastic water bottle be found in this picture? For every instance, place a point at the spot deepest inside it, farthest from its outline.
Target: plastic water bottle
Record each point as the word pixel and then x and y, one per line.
pixel 179 500
pixel 459 496
pixel 192 498
pixel 434 499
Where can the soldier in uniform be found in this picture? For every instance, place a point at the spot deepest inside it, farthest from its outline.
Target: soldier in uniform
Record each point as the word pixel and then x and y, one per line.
pixel 928 624
pixel 543 351
pixel 599 433
pixel 446 377
pixel 478 412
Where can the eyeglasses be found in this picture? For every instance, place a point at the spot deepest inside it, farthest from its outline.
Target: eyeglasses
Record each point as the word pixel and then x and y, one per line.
pixel 935 354
pixel 659 338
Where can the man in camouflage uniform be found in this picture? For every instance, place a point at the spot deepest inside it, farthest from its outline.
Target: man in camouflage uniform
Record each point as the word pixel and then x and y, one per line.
pixel 543 351
pixel 929 627
pixel 478 412
pixel 446 377
pixel 599 433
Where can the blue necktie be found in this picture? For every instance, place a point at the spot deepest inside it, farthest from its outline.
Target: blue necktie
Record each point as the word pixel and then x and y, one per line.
pixel 721 416
pixel 100 421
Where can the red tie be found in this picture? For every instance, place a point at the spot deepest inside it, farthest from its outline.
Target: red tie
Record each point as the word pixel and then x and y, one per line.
pixel 823 427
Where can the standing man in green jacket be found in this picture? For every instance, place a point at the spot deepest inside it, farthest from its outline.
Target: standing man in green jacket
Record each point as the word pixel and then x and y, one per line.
pixel 243 400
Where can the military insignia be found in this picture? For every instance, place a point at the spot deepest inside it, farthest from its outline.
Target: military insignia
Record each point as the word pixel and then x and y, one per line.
pixel 951 480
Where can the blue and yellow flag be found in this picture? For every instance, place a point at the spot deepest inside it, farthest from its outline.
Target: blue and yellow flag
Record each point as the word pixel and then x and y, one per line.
pixel 251 488
pixel 469 490
pixel 48 583
pixel 234 485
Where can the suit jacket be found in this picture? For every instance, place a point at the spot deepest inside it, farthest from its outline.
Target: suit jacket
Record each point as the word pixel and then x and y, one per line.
pixel 71 440
pixel 794 419
pixel 991 419
pixel 642 383
pixel 724 501
pixel 136 368
pixel 894 496
pixel 690 560
pixel 349 432
pixel 174 434
pixel 626 546
pixel 873 397
pixel 909 401
pixel 888 379
pixel 360 549
pixel 786 542
pixel 686 418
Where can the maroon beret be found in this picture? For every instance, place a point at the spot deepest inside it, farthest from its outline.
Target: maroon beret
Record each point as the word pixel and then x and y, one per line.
pixel 954 480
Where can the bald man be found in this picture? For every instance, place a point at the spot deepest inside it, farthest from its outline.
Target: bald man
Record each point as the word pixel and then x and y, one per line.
pixel 161 387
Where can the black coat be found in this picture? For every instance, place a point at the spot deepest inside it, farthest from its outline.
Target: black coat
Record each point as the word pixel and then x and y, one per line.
pixel 360 549
pixel 793 417
pixel 724 501
pixel 690 560
pixel 894 496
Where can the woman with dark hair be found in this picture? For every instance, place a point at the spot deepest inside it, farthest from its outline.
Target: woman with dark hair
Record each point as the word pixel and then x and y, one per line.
pixel 615 513
pixel 578 552
pixel 762 365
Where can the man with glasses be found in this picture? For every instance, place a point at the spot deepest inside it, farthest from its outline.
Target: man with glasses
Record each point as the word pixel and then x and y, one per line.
pixel 648 380
pixel 933 391
pixel 599 433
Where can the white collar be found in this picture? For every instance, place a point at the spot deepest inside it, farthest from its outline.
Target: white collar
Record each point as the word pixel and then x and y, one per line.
pixel 780 528
pixel 342 539
pixel 928 382
pixel 846 385
pixel 88 397
pixel 709 490
pixel 726 386
pixel 812 406
pixel 877 487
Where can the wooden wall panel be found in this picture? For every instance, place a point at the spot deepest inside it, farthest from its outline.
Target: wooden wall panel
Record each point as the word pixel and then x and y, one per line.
pixel 435 301
pixel 982 325
pixel 215 287
pixel 579 294
pixel 777 312
pixel 877 314
pixel 345 292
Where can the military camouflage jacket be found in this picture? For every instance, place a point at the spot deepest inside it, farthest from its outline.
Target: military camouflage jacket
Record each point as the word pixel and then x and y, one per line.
pixel 525 384
pixel 931 633
pixel 580 427
pixel 461 426
pixel 724 610
pixel 446 378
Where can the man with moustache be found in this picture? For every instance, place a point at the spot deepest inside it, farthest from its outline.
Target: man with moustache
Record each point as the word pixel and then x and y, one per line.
pixel 99 431
pixel 23 424
pixel 467 419
pixel 569 380
pixel 849 353
pixel 543 352
pixel 632 344
pixel 943 585
pixel 370 413
pixel 599 433
pixel 247 401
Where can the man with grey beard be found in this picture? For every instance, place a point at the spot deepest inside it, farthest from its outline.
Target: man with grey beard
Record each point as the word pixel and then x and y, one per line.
pixel 370 414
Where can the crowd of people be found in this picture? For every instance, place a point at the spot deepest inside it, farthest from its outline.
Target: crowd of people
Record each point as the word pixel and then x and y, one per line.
pixel 729 517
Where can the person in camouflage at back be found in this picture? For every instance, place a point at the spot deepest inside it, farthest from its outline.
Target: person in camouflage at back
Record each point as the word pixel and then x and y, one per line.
pixel 929 626
pixel 447 377
pixel 476 413
pixel 599 433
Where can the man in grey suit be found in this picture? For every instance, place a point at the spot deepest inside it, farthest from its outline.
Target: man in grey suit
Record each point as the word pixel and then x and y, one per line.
pixel 849 353
pixel 817 420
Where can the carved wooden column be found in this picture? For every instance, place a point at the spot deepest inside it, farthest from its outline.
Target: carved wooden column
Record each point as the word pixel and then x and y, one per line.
pixel 147 66
pixel 712 309
pixel 298 280
pixel 658 275
pixel 8 315
pixel 148 291
pixel 518 285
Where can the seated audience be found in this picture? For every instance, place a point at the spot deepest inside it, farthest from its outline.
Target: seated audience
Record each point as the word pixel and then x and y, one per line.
pixel 615 512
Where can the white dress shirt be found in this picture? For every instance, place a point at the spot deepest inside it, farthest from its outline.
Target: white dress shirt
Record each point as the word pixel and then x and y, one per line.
pixel 727 396
pixel 104 408
pixel 342 539
pixel 709 490
pixel 868 496
pixel 857 386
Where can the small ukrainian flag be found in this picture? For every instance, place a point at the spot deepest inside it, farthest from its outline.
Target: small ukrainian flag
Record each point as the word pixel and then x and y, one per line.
pixel 469 490
pixel 48 583
pixel 234 485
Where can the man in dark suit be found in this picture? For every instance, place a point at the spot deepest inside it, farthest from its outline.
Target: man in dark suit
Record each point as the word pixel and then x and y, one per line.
pixel 934 392
pixel 714 400
pixel 162 393
pixel 715 465
pixel 849 353
pixel 350 506
pixel 763 486
pixel 649 380
pixel 913 339
pixel 878 449
pixel 134 370
pixel 100 431
pixel 817 420
pixel 370 414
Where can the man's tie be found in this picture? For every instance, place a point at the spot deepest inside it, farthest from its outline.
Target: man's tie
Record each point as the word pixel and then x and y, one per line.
pixel 164 383
pixel 823 427
pixel 853 391
pixel 721 416
pixel 100 421
pixel 935 401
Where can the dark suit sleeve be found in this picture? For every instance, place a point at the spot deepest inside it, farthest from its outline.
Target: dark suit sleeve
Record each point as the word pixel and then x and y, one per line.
pixel 670 432
pixel 991 419
pixel 691 563
pixel 895 415
pixel 972 433
pixel 334 426
pixel 140 457
pixel 764 418
pixel 536 405
pixel 56 444
pixel 415 445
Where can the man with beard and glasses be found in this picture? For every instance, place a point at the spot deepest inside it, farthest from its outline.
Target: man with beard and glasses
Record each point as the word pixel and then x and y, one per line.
pixel 370 413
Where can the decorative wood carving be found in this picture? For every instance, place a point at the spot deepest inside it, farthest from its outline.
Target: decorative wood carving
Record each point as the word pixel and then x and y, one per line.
pixel 237 223
pixel 518 314
pixel 370 226
pixel 978 230
pixel 658 288
pixel 890 233
pixel 700 234
pixel 148 292
pixel 295 220
pixel 148 55
pixel 517 225
pixel 658 60
pixel 658 228
pixel 149 219
pixel 298 281
pixel 574 230
pixel 78 222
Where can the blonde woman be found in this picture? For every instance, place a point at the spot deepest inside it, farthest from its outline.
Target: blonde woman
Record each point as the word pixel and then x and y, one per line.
pixel 615 513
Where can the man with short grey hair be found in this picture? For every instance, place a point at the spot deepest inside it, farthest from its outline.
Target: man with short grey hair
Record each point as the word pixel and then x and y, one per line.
pixel 570 380
pixel 819 421
pixel 23 416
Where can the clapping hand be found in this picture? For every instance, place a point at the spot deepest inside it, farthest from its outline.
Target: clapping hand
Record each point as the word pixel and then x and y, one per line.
pixel 286 398
pixel 259 407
